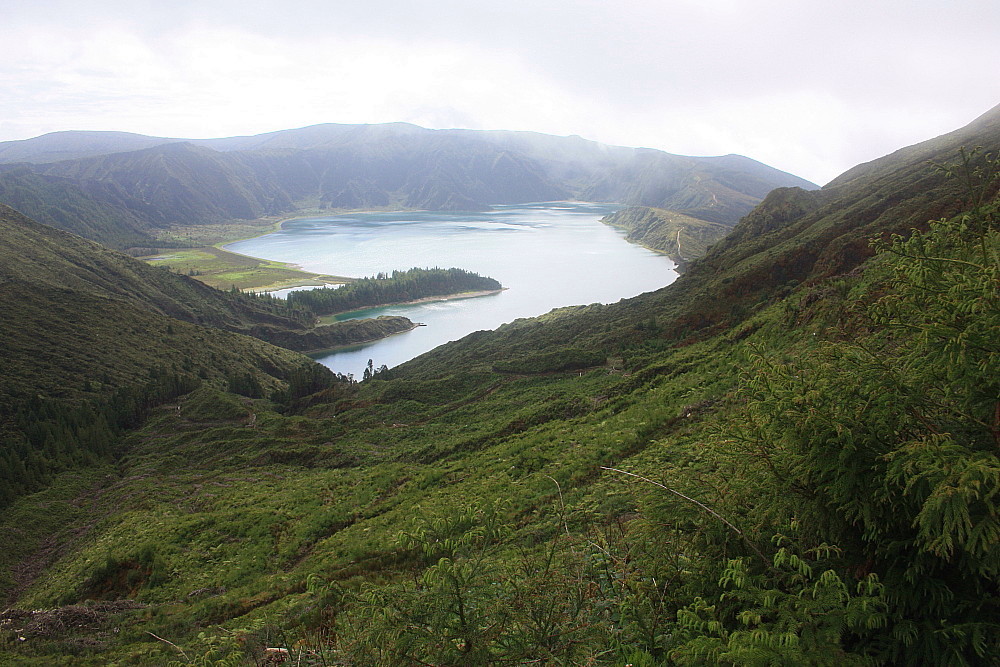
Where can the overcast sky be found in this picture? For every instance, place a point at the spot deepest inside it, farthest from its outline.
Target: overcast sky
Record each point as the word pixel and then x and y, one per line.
pixel 809 86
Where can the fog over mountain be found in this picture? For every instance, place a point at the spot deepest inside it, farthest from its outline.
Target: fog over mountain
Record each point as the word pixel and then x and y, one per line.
pixel 136 183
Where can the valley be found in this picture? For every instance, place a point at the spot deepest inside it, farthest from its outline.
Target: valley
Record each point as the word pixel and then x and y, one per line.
pixel 787 454
pixel 132 191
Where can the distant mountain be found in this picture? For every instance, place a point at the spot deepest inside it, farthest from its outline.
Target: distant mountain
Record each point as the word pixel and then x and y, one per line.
pixel 70 145
pixel 140 184
pixel 178 183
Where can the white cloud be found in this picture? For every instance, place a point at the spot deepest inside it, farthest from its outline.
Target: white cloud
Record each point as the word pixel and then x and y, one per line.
pixel 809 88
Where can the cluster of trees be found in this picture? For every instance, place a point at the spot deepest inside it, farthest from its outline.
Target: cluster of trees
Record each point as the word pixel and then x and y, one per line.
pixel 41 437
pixel 397 287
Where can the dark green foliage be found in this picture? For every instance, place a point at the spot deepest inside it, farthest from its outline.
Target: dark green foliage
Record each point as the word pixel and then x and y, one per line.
pixel 550 362
pixel 398 287
pixel 798 613
pixel 337 334
pixel 61 203
pixel 94 339
pixel 887 446
pixel 122 577
pixel 309 379
pixel 42 437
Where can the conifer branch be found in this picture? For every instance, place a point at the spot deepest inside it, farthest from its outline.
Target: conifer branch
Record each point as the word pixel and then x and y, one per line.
pixel 699 504
pixel 167 641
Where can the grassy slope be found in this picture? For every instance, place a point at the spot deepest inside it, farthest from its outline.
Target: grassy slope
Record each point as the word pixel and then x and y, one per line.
pixel 235 532
pixel 223 270
pixel 252 513
pixel 256 512
pixel 77 314
pixel 680 237
pixel 67 344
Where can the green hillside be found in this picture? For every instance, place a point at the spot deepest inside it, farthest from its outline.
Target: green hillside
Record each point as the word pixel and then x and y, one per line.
pixel 62 203
pixel 788 456
pixel 681 237
pixel 92 339
pixel 44 257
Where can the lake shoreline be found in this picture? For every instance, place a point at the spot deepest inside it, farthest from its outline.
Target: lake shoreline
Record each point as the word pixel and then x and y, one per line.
pixel 427 299
pixel 275 224
pixel 548 255
pixel 346 346
pixel 325 321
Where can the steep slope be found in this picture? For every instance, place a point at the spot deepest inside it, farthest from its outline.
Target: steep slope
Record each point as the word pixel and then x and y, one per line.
pixel 794 236
pixel 91 339
pixel 826 231
pixel 38 254
pixel 681 237
pixel 46 258
pixel 176 183
pixel 62 203
pixel 713 198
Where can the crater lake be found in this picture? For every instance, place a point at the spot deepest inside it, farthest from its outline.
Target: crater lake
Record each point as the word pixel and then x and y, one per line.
pixel 546 255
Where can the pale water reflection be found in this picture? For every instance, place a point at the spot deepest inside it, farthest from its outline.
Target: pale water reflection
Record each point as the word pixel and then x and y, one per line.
pixel 548 255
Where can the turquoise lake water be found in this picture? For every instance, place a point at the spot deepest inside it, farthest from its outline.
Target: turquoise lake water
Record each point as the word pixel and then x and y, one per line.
pixel 547 255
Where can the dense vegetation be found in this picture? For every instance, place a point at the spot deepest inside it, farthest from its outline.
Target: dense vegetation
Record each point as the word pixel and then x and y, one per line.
pixel 397 287
pixel 53 269
pixel 60 202
pixel 789 456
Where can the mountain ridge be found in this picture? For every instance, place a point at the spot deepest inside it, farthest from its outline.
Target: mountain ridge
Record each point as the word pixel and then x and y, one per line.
pixel 43 256
pixel 165 182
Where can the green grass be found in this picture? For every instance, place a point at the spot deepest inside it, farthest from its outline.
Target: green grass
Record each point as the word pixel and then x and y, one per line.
pixel 223 269
pixel 219 525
